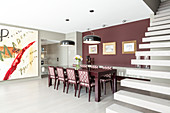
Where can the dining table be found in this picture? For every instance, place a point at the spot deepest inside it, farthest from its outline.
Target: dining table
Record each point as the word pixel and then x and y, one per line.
pixel 98 73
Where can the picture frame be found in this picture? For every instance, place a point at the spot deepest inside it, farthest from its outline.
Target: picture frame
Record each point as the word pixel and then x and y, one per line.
pixel 109 48
pixel 93 49
pixel 129 47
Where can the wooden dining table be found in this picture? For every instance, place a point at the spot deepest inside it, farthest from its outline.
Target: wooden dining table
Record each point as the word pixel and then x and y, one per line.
pixel 98 73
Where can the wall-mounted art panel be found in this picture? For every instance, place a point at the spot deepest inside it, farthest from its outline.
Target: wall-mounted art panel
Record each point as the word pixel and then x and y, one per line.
pixel 109 48
pixel 92 49
pixel 18 53
pixel 129 47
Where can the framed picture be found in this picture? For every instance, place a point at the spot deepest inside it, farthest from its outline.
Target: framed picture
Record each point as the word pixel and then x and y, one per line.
pixel 109 48
pixel 92 49
pixel 129 47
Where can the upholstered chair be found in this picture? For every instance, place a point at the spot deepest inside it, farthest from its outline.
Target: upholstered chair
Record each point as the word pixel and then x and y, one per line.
pixel 61 77
pixel 72 79
pixel 52 75
pixel 106 78
pixel 84 80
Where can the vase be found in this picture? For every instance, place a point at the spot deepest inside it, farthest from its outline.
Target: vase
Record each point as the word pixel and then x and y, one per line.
pixel 77 63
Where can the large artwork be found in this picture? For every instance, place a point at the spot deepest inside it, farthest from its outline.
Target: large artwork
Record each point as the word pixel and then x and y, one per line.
pixel 18 53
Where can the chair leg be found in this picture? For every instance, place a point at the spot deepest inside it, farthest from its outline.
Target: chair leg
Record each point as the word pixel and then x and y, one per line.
pixel 89 93
pixel 111 85
pixel 67 87
pixel 55 83
pixel 75 85
pixel 102 84
pixel 58 82
pixel 49 82
pixel 79 91
pixel 64 85
pixel 104 88
pixel 86 89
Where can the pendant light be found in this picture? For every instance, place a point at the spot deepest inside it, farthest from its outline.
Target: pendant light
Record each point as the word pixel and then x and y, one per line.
pixel 67 43
pixel 91 39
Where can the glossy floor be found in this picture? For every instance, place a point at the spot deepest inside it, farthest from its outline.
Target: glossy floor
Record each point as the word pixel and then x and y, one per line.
pixel 33 96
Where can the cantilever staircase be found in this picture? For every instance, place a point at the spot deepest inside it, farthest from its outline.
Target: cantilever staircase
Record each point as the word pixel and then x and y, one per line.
pixel 158 40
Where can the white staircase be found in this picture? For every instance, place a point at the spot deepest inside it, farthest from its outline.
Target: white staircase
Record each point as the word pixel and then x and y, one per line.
pixel 158 40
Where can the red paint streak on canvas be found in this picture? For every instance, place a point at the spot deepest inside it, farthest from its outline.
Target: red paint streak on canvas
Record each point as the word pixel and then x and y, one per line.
pixel 16 61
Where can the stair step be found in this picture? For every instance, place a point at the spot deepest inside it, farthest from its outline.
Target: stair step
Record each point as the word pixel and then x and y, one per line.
pixel 161 19
pixel 161 15
pixel 152 53
pixel 165 2
pixel 161 88
pixel 116 108
pixel 160 23
pixel 167 26
pixel 148 73
pixel 148 102
pixel 161 32
pixel 156 38
pixel 164 5
pixel 155 45
pixel 151 62
pixel 164 8
pixel 164 11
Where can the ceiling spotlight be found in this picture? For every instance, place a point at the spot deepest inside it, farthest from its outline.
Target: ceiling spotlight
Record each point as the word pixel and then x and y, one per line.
pixel 67 20
pixel 104 25
pixel 91 11
pixel 123 21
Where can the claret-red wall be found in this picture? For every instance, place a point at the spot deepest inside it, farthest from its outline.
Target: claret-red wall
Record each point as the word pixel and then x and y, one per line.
pixel 124 32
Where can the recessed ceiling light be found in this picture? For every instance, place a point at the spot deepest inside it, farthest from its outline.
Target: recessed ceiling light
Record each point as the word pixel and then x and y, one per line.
pixel 123 21
pixel 91 11
pixel 67 20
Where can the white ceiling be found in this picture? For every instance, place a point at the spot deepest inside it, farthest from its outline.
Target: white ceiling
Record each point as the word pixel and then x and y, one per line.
pixel 50 15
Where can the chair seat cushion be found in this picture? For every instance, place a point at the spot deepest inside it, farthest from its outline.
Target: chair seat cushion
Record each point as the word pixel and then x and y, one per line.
pixel 72 81
pixel 87 85
pixel 105 80
pixel 53 77
pixel 62 79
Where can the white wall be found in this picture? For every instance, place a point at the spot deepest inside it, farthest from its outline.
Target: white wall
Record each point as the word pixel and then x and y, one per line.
pixel 55 51
pixel 74 50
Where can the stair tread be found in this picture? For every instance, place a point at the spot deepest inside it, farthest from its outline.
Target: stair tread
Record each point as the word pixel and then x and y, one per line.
pixel 116 108
pixel 148 102
pixel 147 85
pixel 152 28
pixel 163 8
pixel 155 45
pixel 161 19
pixel 161 15
pixel 160 32
pixel 149 73
pixel 156 38
pixel 152 53
pixel 151 62
pixel 160 23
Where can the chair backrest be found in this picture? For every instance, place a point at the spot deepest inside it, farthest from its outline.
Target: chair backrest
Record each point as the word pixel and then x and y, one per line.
pixel 83 66
pixel 84 76
pixel 107 67
pixel 51 71
pixel 71 74
pixel 94 67
pixel 60 72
